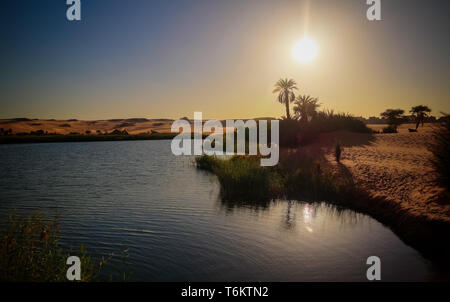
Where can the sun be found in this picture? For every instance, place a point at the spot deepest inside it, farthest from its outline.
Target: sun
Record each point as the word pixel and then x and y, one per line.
pixel 305 50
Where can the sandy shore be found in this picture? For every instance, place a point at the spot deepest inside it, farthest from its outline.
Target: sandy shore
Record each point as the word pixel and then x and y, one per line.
pixel 394 183
pixel 395 167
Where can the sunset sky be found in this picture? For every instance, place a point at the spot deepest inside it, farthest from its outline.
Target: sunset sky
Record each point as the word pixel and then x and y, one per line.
pixel 169 58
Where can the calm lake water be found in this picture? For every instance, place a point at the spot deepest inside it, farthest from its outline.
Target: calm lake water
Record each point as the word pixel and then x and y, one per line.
pixel 136 195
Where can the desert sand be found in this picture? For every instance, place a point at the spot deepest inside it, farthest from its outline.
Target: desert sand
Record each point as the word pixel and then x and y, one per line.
pixel 132 126
pixel 395 167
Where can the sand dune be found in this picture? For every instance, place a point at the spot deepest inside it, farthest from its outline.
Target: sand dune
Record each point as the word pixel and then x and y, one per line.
pixel 133 126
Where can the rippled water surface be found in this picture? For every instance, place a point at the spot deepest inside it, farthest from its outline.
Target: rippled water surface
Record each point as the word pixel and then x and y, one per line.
pixel 136 195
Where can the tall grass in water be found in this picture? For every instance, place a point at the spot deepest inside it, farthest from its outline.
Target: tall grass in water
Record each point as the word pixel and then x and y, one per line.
pixel 242 178
pixel 441 152
pixel 297 176
pixel 30 252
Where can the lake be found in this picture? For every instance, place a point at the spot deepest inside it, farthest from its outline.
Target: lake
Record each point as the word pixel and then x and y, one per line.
pixel 136 195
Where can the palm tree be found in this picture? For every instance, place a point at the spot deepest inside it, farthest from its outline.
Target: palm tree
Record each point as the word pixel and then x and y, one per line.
pixel 285 89
pixel 420 113
pixel 305 107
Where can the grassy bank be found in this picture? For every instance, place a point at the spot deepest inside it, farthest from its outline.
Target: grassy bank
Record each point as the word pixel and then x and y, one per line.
pixel 30 252
pixel 297 176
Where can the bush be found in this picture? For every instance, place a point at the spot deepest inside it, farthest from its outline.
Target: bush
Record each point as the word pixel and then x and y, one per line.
pixel 326 121
pixel 390 129
pixel 30 251
pixel 394 118
pixel 290 133
pixel 295 133
pixel 441 152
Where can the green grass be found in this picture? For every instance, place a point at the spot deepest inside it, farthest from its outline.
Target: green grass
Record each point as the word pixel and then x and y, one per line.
pixel 30 252
pixel 242 178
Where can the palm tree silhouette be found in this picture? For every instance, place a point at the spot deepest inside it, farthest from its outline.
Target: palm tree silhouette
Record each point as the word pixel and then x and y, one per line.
pixel 305 107
pixel 286 95
pixel 420 113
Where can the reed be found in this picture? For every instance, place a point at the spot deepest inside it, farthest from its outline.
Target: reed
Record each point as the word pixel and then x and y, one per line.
pixel 30 252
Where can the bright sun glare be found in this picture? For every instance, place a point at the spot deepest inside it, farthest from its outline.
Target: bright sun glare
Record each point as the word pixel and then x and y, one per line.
pixel 305 50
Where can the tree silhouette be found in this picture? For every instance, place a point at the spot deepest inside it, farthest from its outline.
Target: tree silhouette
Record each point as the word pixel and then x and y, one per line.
pixel 420 113
pixel 285 89
pixel 305 107
pixel 394 117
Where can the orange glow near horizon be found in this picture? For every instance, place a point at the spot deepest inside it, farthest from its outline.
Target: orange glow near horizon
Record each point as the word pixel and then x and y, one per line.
pixel 223 60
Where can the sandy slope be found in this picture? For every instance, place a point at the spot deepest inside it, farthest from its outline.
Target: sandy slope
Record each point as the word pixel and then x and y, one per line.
pixel 133 126
pixel 397 167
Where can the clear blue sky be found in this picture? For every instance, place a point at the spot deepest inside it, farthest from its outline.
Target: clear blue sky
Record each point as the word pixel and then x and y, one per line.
pixel 143 58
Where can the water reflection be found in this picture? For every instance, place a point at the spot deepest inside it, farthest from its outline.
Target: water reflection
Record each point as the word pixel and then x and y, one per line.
pixel 230 205
pixel 299 213
pixel 289 221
